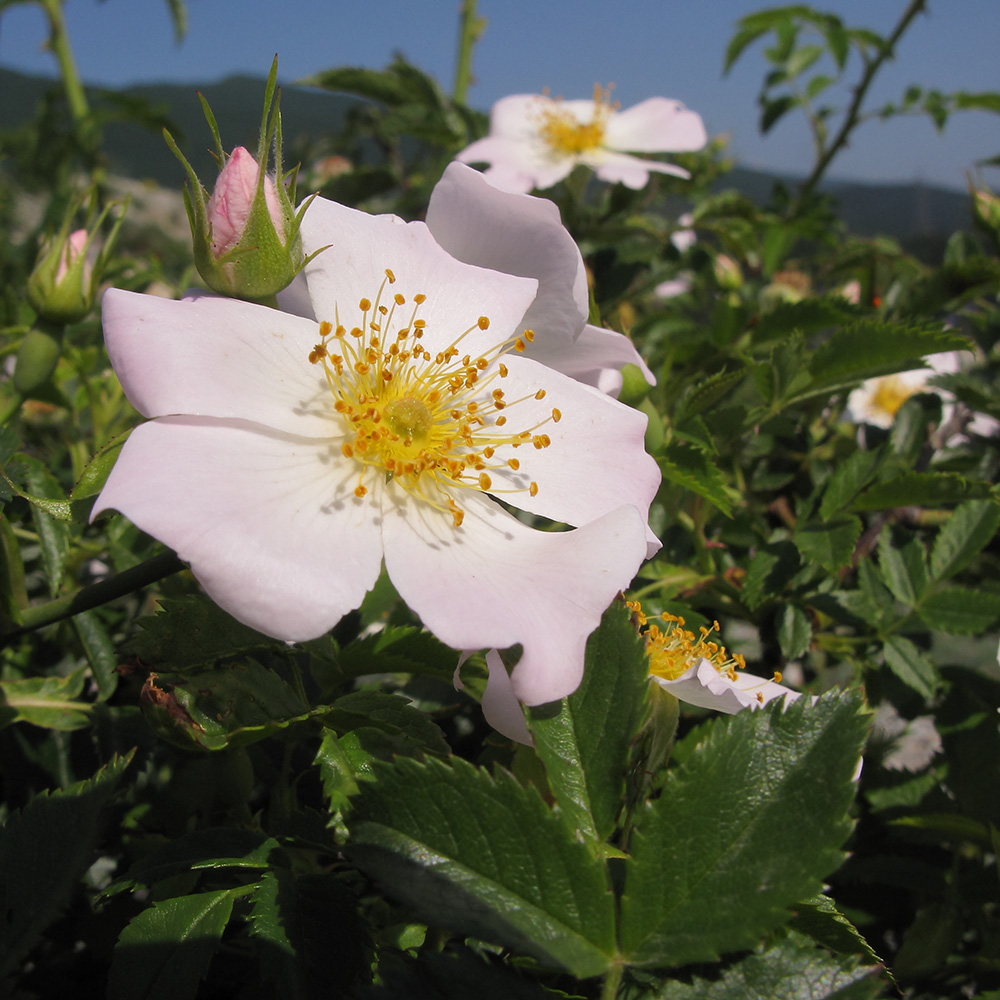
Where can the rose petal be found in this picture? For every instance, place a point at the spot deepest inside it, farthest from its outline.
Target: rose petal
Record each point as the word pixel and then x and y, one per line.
pixel 706 687
pixel 216 357
pixel 658 125
pixel 629 170
pixel 354 267
pixel 496 582
pixel 516 234
pixel 269 523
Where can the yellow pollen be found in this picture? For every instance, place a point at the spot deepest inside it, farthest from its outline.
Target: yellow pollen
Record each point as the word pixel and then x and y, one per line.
pixel 890 394
pixel 430 423
pixel 673 649
pixel 556 414
pixel 565 134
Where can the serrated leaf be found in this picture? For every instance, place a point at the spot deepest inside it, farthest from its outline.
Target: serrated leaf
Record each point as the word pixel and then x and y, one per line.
pixel 397 649
pixel 188 632
pixel 912 666
pixel 819 919
pixel 769 572
pixel 49 702
pixel 902 561
pixel 44 850
pixel 706 393
pixel 413 731
pixel 692 469
pixel 866 348
pixel 165 951
pixel 745 36
pixel 961 611
pixel 849 478
pixel 921 489
pixel 53 533
pixel 793 967
pixel 969 528
pixel 807 316
pixel 584 740
pixel 308 933
pixel 794 632
pixel 772 111
pixel 705 878
pixel 831 545
pixel 484 856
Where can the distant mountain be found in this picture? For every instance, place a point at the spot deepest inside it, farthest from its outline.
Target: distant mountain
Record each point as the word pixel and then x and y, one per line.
pixel 920 216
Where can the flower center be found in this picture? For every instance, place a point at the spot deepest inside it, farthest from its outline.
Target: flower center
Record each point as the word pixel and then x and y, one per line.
pixel 890 394
pixel 433 423
pixel 674 649
pixel 565 134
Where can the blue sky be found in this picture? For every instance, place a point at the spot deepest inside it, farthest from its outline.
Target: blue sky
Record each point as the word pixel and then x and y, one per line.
pixel 645 47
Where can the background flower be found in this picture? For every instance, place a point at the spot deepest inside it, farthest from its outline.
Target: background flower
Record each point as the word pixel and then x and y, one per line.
pixel 535 141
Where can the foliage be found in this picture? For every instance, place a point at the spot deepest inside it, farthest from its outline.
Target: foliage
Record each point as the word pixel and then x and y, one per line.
pixel 191 808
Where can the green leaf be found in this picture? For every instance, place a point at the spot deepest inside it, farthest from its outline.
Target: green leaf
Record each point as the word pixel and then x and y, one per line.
pixel 769 572
pixel 190 632
pixel 49 702
pixel 486 857
pixel 411 730
pixel 802 58
pixel 772 111
pixel 291 920
pixel 165 951
pixel 744 37
pixel 818 918
pixel 707 392
pixel 691 468
pixel 988 101
pixel 913 667
pixel 44 850
pixel 232 706
pixel 52 532
pixel 961 611
pixel 793 967
pixel 794 632
pixel 849 478
pixel 903 563
pixel 867 348
pixel 964 534
pixel 831 544
pixel 100 651
pixel 705 876
pixel 584 740
pixel 921 489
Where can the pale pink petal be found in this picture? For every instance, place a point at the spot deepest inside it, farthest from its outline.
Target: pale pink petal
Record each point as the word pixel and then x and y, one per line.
pixel 515 234
pixel 295 299
pixel 629 170
pixel 365 247
pixel 268 522
pixel 495 582
pixel 597 359
pixel 658 125
pixel 596 460
pixel 704 686
pixel 500 705
pixel 217 357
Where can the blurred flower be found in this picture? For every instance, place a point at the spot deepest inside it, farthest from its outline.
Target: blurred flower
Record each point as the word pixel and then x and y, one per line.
pixel 527 238
pixel 911 744
pixel 684 238
pixel 878 400
pixel 535 141
pixel 673 287
pixel 284 460
pixel 698 670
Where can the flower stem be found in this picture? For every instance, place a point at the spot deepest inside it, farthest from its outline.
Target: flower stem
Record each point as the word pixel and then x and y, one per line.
pixel 612 980
pixel 470 31
pixel 95 594
pixel 887 51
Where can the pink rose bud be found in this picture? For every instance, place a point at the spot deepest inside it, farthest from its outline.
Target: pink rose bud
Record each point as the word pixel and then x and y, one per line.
pixel 76 244
pixel 229 207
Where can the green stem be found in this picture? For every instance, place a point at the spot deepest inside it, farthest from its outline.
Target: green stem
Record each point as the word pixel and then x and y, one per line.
pixel 96 594
pixel 59 44
pixel 612 980
pixel 853 112
pixel 470 31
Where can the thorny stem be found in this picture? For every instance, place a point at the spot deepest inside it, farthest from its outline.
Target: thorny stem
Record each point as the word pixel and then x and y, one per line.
pixel 470 30
pixel 96 594
pixel 851 118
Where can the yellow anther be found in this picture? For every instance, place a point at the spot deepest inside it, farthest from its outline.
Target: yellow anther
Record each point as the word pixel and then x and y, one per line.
pixel 556 415
pixel 364 305
pixel 483 323
pixel 390 276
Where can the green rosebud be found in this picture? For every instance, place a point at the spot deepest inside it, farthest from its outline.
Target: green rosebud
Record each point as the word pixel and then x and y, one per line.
pixel 246 232
pixel 62 287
